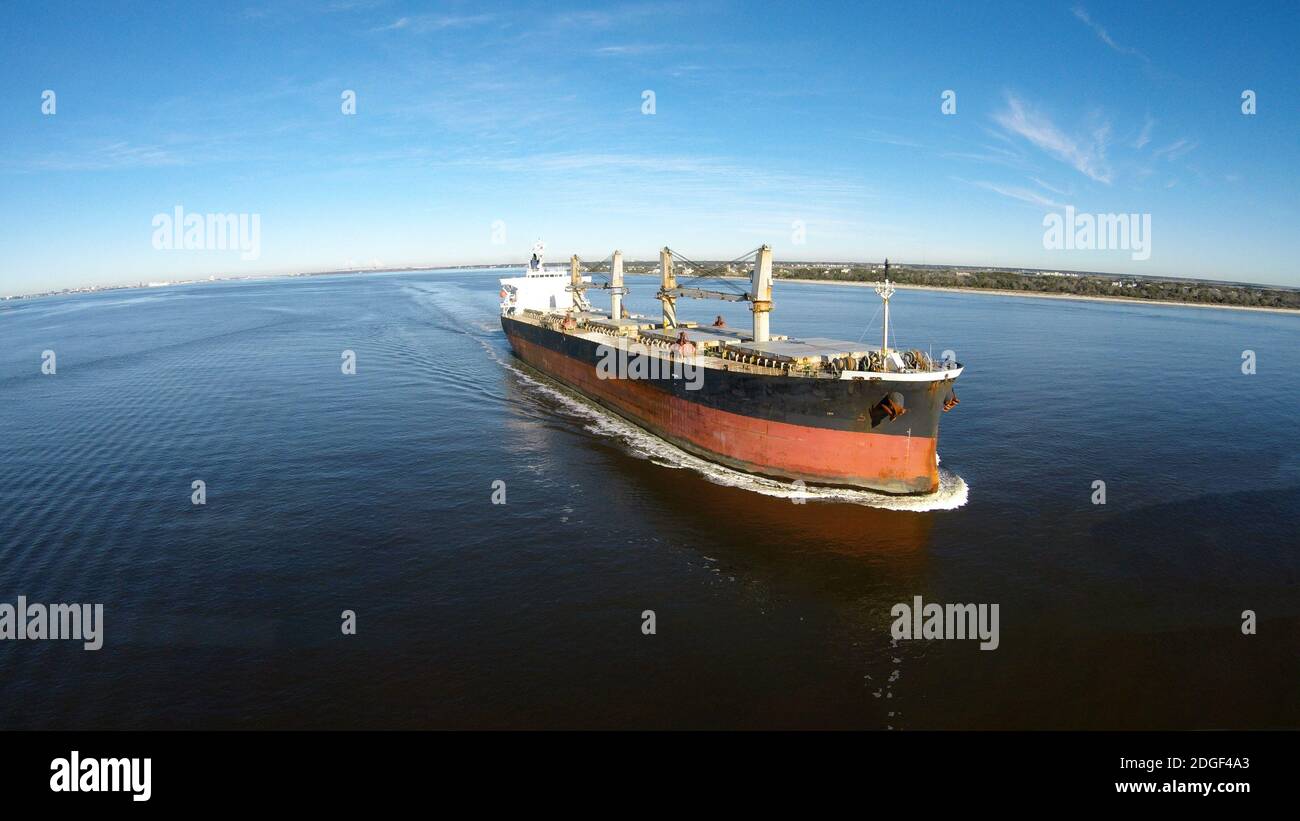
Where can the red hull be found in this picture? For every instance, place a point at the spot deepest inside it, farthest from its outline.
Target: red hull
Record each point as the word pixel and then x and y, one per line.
pixel 890 463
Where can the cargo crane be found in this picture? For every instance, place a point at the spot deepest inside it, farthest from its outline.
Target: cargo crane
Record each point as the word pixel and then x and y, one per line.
pixel 759 295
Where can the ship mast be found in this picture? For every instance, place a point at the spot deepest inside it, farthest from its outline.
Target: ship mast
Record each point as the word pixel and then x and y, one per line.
pixel 885 290
pixel 616 289
pixel 760 296
pixel 579 287
pixel 668 288
pixel 576 285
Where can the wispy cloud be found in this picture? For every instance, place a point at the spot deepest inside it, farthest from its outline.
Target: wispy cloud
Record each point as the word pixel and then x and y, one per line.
pixel 354 5
pixel 1012 156
pixel 700 186
pixel 1087 156
pixel 1176 150
pixel 888 139
pixel 1051 188
pixel 612 16
pixel 1014 192
pixel 424 23
pixel 629 50
pixel 104 157
pixel 1082 13
pixel 1145 136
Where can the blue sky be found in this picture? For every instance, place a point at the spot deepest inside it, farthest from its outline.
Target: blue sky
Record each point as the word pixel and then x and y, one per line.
pixel 532 114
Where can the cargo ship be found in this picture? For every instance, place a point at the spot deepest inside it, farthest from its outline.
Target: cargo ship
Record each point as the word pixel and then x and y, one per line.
pixel 814 411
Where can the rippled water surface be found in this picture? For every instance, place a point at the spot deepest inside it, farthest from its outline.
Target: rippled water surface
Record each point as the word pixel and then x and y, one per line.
pixel 372 493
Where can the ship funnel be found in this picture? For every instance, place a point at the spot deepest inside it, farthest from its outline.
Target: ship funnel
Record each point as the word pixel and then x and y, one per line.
pixel 616 287
pixel 760 296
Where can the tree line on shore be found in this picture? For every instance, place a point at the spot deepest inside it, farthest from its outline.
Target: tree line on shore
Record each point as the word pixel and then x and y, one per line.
pixel 1076 285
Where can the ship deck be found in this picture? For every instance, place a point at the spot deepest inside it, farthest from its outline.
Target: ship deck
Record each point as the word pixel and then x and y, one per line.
pixel 703 338
pixel 783 349
pixel 735 349
pixel 803 351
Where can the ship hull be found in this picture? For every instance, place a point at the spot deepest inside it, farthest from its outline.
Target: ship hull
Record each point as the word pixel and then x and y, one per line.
pixel 818 431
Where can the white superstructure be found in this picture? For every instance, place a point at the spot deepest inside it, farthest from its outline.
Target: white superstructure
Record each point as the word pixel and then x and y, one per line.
pixel 539 289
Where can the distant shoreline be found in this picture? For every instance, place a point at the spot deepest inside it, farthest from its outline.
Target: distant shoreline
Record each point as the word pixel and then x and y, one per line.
pixel 797 280
pixel 1042 295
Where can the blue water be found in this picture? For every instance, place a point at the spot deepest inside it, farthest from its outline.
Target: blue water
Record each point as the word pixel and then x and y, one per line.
pixel 328 492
